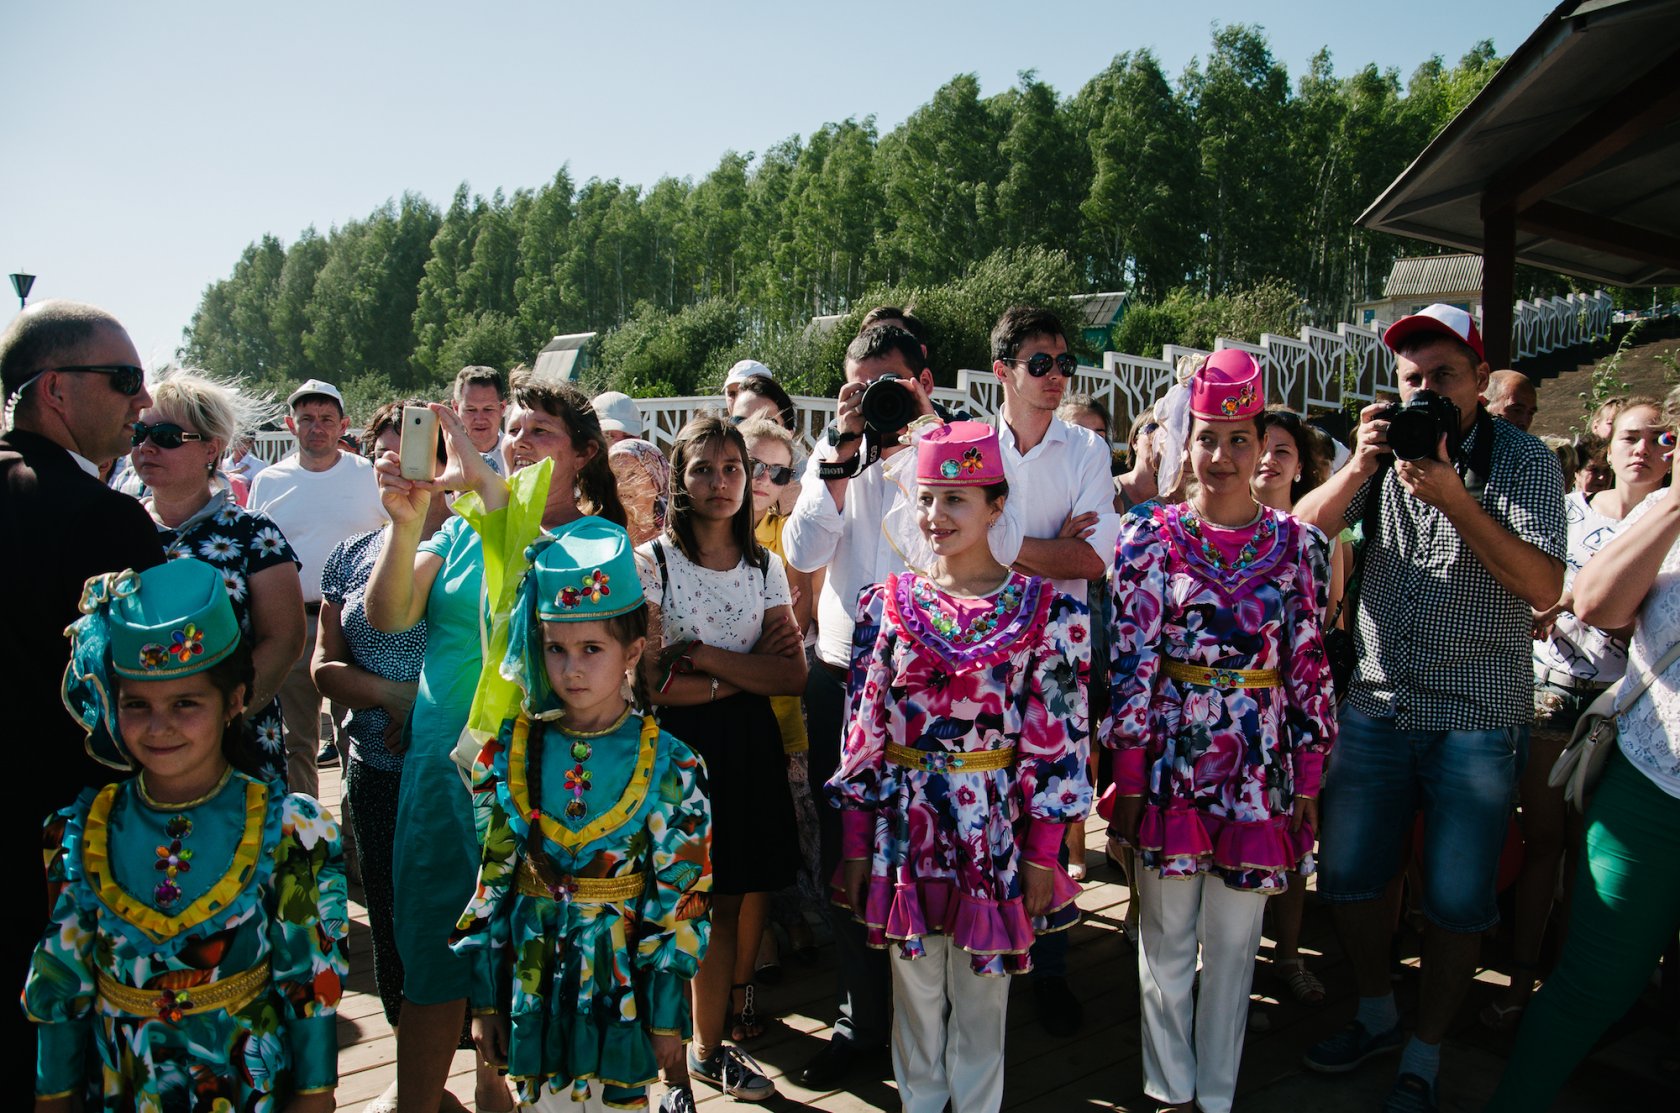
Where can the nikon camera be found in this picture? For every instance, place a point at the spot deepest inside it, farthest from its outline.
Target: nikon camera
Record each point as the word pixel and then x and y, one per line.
pixel 1417 426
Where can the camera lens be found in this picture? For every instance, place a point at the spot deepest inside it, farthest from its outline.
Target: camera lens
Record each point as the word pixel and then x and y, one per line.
pixel 1411 434
pixel 887 405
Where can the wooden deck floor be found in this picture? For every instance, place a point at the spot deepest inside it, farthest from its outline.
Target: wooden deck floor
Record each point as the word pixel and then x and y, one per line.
pixel 1099 1068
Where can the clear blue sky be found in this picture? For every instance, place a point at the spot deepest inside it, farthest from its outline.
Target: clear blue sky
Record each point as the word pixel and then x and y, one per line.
pixel 144 145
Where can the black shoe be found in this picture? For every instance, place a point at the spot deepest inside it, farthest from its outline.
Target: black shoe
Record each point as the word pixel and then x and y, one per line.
pixel 831 1066
pixel 1059 1011
pixel 328 755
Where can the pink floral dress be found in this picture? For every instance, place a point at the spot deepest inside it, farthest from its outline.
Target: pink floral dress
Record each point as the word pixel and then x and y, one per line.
pixel 1220 764
pixel 950 677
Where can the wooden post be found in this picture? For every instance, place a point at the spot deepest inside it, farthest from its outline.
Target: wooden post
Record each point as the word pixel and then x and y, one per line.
pixel 1499 264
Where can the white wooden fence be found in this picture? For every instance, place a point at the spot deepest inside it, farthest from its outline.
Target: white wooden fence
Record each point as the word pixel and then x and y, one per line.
pixel 1314 371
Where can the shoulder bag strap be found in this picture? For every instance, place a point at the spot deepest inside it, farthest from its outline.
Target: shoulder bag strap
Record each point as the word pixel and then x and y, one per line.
pixel 1630 698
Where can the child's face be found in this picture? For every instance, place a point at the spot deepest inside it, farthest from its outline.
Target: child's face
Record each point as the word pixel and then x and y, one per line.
pixel 955 519
pixel 586 666
pixel 174 729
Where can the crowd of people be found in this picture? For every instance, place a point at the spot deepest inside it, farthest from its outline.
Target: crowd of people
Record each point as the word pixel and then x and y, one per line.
pixel 622 725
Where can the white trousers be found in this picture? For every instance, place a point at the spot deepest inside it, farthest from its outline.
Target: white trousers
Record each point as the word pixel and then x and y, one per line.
pixel 1177 914
pixel 947 1031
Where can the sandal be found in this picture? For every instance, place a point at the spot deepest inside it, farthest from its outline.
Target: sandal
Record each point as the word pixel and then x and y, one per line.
pixel 1501 1018
pixel 745 1025
pixel 1303 984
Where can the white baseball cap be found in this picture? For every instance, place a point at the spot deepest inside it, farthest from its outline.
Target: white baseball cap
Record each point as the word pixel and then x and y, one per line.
pixel 747 369
pixel 316 386
pixel 618 413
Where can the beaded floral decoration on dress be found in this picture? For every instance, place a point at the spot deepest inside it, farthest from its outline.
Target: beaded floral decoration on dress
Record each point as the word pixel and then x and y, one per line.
pixel 937 617
pixel 174 859
pixel 578 778
pixel 1246 556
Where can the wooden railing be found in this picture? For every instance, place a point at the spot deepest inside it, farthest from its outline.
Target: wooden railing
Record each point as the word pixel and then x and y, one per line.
pixel 1316 371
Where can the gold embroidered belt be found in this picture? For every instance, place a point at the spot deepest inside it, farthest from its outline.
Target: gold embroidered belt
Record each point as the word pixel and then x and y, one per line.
pixel 951 761
pixel 584 890
pixel 227 994
pixel 1204 677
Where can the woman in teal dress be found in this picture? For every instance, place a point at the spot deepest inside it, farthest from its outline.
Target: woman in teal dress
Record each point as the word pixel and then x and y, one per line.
pixel 594 881
pixel 195 957
pixel 443 582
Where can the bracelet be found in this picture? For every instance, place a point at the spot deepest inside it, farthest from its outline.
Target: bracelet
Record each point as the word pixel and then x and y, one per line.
pixel 714 689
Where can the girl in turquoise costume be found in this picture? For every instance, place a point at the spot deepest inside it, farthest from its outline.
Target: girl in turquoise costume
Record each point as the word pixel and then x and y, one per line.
pixel 593 886
pixel 196 952
pixel 557 465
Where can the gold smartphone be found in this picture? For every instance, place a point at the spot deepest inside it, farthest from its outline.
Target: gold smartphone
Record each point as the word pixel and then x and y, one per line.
pixel 419 443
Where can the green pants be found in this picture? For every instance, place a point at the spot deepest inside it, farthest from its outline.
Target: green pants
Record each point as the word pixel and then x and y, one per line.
pixel 1626 910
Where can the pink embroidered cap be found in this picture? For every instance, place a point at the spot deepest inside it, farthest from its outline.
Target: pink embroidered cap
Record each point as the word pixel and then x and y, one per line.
pixel 1227 387
pixel 959 454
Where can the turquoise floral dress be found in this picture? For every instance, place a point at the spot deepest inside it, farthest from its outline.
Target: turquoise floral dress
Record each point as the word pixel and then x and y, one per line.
pixel 591 909
pixel 195 956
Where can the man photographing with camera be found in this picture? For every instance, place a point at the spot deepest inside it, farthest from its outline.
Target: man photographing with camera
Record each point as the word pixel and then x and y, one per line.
pixel 1467 536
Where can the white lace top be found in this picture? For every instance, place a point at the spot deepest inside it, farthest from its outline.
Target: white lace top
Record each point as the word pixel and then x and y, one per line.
pixel 1649 731
pixel 1584 652
pixel 722 609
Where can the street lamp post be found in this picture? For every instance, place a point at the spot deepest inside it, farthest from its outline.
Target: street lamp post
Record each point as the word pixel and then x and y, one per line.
pixel 21 283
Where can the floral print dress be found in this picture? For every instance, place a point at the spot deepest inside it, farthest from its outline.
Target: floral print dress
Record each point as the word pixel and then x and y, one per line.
pixel 1218 764
pixel 587 977
pixel 195 956
pixel 950 677
pixel 238 543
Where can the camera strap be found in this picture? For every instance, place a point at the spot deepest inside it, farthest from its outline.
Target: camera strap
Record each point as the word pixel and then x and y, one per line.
pixel 867 454
pixel 1480 463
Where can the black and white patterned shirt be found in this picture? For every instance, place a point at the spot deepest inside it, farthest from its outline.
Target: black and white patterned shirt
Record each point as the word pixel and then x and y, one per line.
pixel 1441 644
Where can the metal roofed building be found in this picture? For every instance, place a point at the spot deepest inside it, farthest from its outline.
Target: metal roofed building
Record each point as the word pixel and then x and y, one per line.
pixel 564 357
pixel 1567 160
pixel 1420 280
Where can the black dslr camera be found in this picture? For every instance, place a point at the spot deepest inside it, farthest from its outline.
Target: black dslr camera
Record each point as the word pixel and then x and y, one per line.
pixel 1416 427
pixel 888 406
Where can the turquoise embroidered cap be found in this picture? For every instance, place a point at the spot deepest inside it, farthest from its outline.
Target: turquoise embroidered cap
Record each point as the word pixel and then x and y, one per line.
pixel 166 622
pixel 587 571
pixel 579 573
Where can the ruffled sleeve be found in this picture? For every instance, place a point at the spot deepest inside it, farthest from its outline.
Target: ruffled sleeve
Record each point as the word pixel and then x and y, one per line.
pixel 484 931
pixel 307 938
pixel 1310 715
pixel 504 534
pixel 673 921
pixel 1139 592
pixel 1055 745
pixel 855 786
pixel 59 992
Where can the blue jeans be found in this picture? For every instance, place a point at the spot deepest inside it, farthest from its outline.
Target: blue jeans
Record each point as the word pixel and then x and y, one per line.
pixel 1379 776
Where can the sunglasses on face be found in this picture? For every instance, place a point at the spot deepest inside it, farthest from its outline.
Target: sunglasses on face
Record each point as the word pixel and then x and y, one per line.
pixel 1039 365
pixel 779 475
pixel 164 434
pixel 125 377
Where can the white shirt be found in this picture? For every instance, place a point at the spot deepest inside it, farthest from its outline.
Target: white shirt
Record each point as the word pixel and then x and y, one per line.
pixel 247 468
pixel 722 609
pixel 1066 473
pixel 318 509
pixel 494 457
pixel 84 463
pixel 854 547
pixel 1649 731
pixel 1582 651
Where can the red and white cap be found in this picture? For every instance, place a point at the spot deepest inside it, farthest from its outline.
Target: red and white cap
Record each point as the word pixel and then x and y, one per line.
pixel 1449 320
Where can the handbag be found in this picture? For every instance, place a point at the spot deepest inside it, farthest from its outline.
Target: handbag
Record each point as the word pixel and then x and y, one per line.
pixel 1578 768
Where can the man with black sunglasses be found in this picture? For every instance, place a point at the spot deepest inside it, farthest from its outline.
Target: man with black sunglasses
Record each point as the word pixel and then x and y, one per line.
pixel 1059 479
pixel 73 386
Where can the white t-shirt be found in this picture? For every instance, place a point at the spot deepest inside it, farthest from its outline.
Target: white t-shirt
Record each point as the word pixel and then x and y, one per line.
pixel 247 468
pixel 1649 731
pixel 1585 652
pixel 318 509
pixel 722 609
pixel 1065 474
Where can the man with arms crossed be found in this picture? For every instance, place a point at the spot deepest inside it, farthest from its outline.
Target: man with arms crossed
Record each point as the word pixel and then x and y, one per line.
pixel 1059 478
pixel 1465 544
